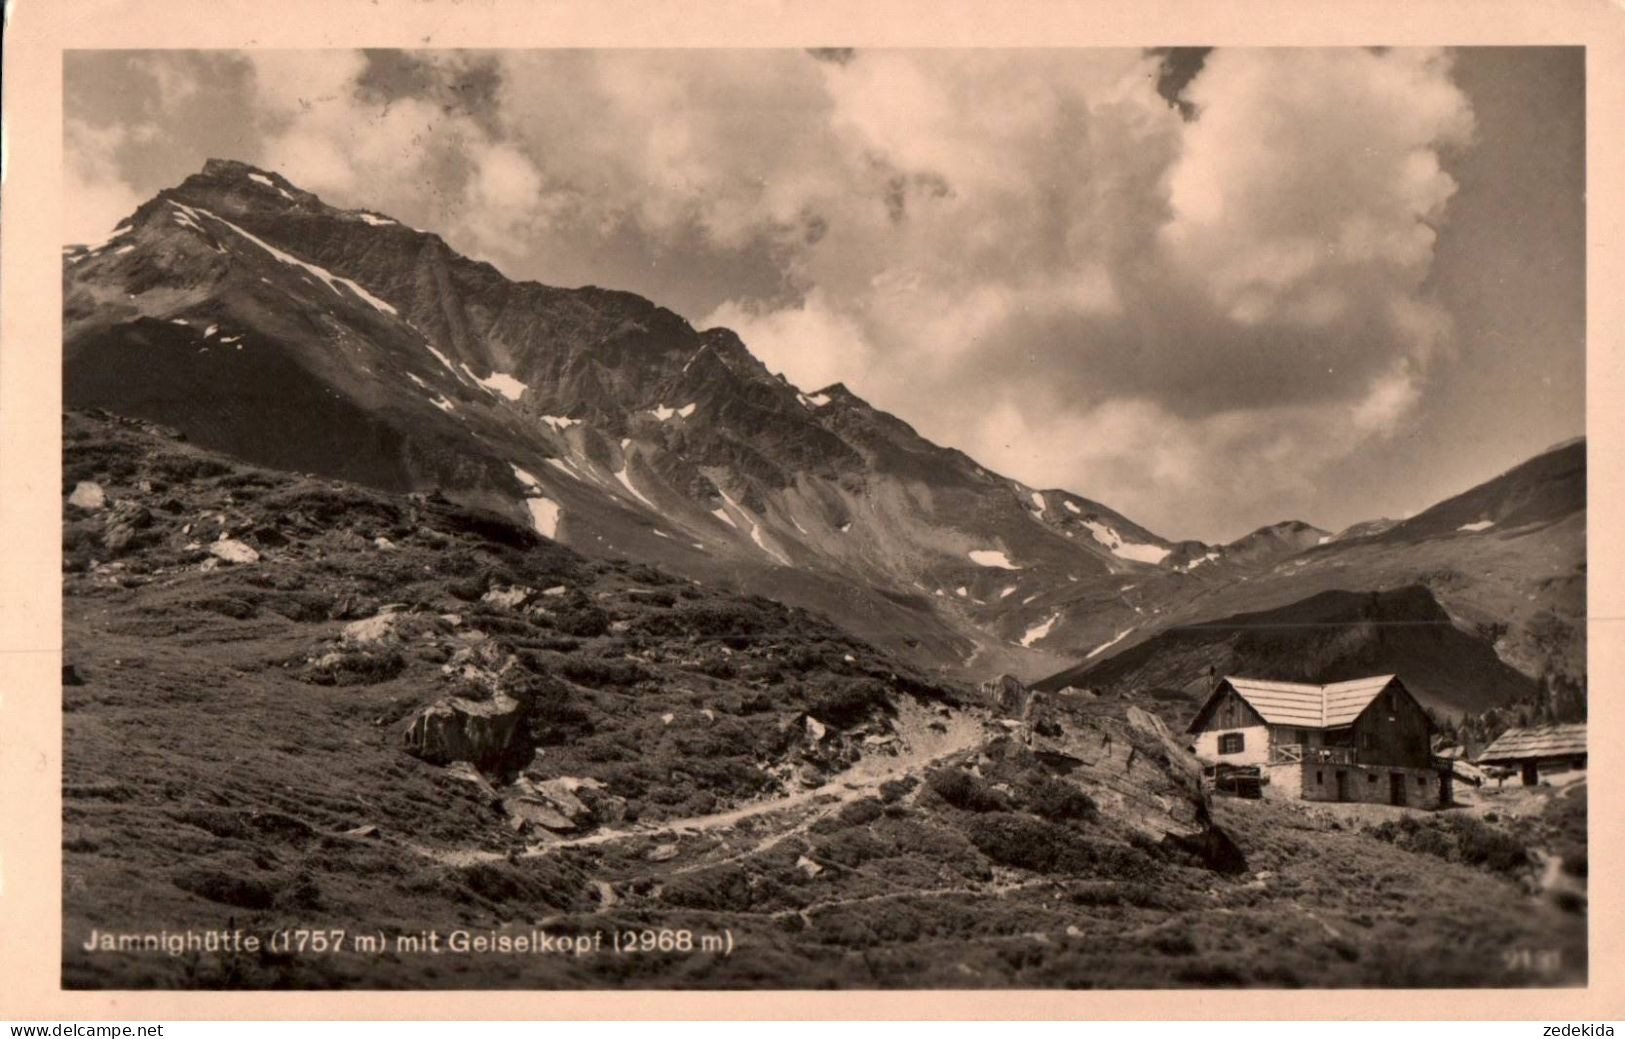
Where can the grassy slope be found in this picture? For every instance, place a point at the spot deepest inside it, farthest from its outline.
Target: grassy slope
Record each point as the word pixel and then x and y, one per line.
pixel 210 783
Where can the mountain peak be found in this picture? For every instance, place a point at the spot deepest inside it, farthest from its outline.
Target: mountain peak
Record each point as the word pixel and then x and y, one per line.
pixel 248 184
pixel 231 168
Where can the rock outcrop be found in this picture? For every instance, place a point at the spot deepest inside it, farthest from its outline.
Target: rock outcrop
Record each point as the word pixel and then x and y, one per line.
pixel 1131 766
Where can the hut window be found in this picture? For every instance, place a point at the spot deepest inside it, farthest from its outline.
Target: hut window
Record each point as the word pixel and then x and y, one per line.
pixel 1319 777
pixel 1372 777
pixel 1421 781
pixel 1232 743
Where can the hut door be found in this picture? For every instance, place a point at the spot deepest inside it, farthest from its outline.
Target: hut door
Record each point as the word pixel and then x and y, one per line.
pixel 1396 788
pixel 1531 775
pixel 1342 785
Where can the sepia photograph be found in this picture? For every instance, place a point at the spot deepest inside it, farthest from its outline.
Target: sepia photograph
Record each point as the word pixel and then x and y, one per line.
pixel 848 517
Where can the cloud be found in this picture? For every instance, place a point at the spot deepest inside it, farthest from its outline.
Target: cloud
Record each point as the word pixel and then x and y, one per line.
pixel 1310 182
pixel 338 125
pixel 96 197
pixel 812 344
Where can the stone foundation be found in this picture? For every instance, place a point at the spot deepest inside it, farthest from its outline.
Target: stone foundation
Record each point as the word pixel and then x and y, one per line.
pixel 1371 784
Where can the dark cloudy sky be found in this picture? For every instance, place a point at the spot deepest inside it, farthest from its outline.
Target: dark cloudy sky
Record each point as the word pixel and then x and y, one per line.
pixel 1211 289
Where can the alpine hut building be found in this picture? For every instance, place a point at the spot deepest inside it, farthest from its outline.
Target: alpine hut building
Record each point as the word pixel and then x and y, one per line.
pixel 1361 740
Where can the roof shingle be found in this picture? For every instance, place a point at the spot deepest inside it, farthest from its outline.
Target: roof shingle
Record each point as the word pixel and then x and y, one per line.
pixel 1306 705
pixel 1545 741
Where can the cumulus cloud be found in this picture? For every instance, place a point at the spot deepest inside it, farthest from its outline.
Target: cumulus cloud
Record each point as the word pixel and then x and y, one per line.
pixel 813 344
pixel 96 196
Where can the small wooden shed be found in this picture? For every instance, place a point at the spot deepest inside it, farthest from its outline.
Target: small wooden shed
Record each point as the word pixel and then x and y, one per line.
pixel 1541 750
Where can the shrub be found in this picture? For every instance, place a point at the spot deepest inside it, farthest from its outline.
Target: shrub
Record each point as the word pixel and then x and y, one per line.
pixel 232 888
pixel 1057 800
pixel 1024 842
pixel 724 888
pixel 227 606
pixel 1045 847
pixel 355 667
pixel 860 813
pixel 600 672
pixel 846 700
pixel 584 621
pixel 1458 838
pixel 965 791
pixel 894 790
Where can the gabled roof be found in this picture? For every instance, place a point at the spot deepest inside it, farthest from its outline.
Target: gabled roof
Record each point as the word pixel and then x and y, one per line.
pixel 1545 741
pixel 1305 705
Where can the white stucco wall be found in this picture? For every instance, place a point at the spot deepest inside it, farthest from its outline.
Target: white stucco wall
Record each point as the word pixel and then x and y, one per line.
pixel 1255 746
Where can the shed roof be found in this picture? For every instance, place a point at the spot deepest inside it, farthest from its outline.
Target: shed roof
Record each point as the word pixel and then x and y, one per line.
pixel 1309 706
pixel 1545 741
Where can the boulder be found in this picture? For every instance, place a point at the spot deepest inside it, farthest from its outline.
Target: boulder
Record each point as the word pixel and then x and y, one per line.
pixel 378 628
pixel 537 812
pixel 484 733
pixel 87 495
pixel 123 525
pixel 1007 695
pixel 662 853
pixel 462 770
pixel 230 550
pixel 508 598
pixel 561 794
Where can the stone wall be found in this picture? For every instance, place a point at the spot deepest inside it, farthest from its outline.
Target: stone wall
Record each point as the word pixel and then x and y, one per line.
pixel 1372 784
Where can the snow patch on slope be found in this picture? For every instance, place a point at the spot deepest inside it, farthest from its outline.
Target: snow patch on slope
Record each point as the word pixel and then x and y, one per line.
pixel 544 515
pixel 625 477
pixel 992 558
pixel 1039 630
pixel 663 413
pixel 1104 646
pixel 503 383
pixel 761 543
pixel 525 477
pixel 260 178
pixel 1476 526
pixel 1200 561
pixel 442 358
pixel 124 227
pixel 1125 549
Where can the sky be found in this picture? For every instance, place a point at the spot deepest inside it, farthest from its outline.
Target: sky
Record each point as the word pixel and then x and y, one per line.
pixel 1212 289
